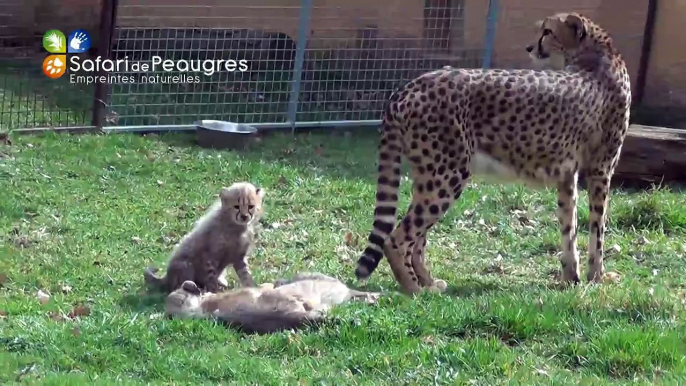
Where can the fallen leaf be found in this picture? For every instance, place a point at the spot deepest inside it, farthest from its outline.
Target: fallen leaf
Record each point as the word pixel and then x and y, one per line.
pixel 136 240
pixel 156 315
pixel 642 240
pixel 616 248
pixel 348 238
pixel 3 314
pixel 428 339
pixel 3 279
pixel 611 277
pixel 66 289
pixel 76 331
pixel 57 316
pixel 79 310
pixel 24 371
pixel 160 183
pixel 42 297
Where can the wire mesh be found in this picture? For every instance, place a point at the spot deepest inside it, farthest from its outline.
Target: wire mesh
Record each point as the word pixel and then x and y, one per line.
pixel 307 61
pixel 195 34
pixel 28 98
pixel 355 54
pixel 359 52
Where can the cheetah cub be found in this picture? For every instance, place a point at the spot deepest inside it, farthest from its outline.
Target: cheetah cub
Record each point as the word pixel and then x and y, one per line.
pixel 223 236
pixel 286 304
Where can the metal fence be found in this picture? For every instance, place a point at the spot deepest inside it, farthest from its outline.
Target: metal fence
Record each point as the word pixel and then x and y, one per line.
pixel 27 97
pixel 308 62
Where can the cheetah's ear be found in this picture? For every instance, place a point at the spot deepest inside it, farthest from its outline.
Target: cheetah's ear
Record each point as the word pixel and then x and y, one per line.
pixel 190 287
pixel 577 26
pixel 260 192
pixel 225 195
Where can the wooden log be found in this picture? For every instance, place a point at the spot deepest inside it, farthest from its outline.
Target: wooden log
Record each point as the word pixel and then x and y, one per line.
pixel 653 155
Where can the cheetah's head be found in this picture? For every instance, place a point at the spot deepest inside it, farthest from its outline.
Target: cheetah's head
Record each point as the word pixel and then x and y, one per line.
pixel 186 301
pixel 242 201
pixel 558 38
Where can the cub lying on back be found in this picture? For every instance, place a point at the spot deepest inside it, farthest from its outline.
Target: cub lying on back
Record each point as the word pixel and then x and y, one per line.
pixel 286 304
pixel 223 236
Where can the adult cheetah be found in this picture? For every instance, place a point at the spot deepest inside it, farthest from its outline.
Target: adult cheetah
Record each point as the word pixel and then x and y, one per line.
pixel 541 127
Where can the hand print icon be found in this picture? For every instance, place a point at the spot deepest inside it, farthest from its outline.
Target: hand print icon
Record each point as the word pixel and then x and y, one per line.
pixel 79 42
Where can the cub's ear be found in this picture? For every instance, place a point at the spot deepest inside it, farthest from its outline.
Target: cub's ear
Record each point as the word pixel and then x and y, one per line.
pixel 190 287
pixel 260 192
pixel 225 195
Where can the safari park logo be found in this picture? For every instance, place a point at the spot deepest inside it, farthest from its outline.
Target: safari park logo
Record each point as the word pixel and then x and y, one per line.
pixel 55 42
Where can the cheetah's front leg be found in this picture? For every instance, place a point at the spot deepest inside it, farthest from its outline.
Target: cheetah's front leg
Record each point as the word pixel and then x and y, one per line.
pixel 243 273
pixel 423 273
pixel 567 195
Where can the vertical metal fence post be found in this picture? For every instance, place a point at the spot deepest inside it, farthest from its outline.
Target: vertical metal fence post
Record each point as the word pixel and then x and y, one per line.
pixel 108 17
pixel 303 36
pixel 491 22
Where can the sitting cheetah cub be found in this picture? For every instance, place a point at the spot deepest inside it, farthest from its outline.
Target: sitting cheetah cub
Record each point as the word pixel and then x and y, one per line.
pixel 223 236
pixel 286 304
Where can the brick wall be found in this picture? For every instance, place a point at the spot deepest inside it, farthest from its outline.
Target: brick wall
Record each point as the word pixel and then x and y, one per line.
pixel 666 77
pixel 335 22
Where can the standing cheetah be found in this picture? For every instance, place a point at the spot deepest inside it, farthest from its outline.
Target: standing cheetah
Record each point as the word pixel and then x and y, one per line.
pixel 540 127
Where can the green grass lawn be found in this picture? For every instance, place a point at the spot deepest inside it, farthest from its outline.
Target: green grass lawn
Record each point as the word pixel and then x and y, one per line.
pixel 81 216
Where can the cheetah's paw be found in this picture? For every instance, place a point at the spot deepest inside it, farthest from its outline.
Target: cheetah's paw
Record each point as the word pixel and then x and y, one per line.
pixel 611 278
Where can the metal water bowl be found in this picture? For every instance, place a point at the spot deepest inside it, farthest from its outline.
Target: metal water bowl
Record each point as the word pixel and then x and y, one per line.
pixel 224 135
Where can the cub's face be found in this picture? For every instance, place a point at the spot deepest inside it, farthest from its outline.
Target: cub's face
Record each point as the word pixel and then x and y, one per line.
pixel 185 301
pixel 242 201
pixel 557 37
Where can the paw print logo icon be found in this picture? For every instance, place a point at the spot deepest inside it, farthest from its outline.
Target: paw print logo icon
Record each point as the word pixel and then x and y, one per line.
pixel 79 42
pixel 54 66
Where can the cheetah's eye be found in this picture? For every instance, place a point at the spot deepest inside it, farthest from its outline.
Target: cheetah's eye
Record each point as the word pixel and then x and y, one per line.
pixel 251 207
pixel 547 32
pixel 236 206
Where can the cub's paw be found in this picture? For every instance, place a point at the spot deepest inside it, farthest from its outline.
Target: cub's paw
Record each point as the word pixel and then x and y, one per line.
pixel 438 286
pixel 190 287
pixel 267 286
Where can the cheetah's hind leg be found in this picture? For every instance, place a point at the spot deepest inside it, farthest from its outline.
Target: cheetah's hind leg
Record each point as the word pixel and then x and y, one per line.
pixel 598 200
pixel 432 197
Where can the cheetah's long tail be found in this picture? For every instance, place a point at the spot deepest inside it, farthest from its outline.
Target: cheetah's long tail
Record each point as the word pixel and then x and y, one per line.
pixel 387 186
